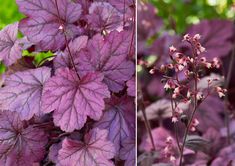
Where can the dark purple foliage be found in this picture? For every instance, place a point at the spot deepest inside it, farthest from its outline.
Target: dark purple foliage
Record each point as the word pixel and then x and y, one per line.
pixel 77 108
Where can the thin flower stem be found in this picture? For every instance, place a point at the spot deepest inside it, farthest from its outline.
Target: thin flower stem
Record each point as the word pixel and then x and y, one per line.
pixel 229 75
pixel 194 107
pixel 66 42
pixel 146 122
pixel 175 127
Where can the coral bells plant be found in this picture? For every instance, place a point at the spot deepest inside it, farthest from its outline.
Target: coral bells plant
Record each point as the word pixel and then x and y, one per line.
pixel 184 87
pixel 67 96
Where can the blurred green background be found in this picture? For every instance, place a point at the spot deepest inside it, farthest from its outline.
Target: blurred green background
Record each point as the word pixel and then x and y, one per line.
pixel 8 13
pixel 187 12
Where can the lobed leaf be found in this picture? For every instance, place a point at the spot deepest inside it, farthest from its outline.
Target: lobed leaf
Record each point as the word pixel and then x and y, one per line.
pixel 23 91
pixel 72 100
pixel 95 150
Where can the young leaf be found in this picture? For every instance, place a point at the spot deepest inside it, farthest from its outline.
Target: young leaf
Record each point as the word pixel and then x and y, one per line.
pixel 109 56
pixel 103 16
pixel 127 152
pixel 119 120
pixel 95 150
pixel 43 21
pixel 22 92
pixel 72 100
pixel 20 146
pixel 10 49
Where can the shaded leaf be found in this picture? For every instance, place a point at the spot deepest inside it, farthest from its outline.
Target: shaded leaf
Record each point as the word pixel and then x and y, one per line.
pixel 20 146
pixel 95 150
pixel 72 100
pixel 119 120
pixel 22 92
pixel 127 152
pixel 196 143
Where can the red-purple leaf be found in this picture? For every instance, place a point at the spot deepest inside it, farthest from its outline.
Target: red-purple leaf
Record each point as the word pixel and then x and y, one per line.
pixel 19 146
pixel 22 92
pixel 119 120
pixel 43 21
pixel 103 16
pixel 72 100
pixel 96 150
pixel 109 56
pixel 127 152
pixel 10 49
pixel 53 152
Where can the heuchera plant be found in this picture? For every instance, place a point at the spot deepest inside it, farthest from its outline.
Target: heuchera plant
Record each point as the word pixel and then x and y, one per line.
pixel 76 106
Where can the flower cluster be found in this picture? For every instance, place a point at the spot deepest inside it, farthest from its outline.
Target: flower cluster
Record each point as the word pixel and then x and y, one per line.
pixel 186 73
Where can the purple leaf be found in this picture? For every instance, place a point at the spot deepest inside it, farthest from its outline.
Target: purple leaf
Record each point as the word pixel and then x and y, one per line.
pixel 131 87
pixel 127 152
pixel 53 152
pixel 22 92
pixel 10 48
pixel 20 146
pixel 109 56
pixel 122 5
pixel 43 21
pixel 72 100
pixel 119 120
pixel 159 135
pixel 209 113
pixel 103 16
pixel 62 59
pixel 226 156
pixel 216 36
pixel 148 22
pixel 95 150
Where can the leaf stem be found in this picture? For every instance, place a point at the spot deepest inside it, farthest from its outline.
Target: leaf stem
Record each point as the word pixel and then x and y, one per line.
pixel 66 42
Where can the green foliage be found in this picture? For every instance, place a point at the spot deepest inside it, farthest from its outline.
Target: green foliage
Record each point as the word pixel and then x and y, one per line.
pixel 179 14
pixel 9 13
pixel 39 58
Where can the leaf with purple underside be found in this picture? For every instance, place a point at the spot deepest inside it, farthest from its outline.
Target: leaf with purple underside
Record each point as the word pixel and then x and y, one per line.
pixel 10 48
pixel 95 150
pixel 103 16
pixel 42 23
pixel 127 152
pixel 109 56
pixel 20 146
pixel 72 100
pixel 22 92
pixel 119 120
